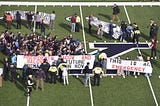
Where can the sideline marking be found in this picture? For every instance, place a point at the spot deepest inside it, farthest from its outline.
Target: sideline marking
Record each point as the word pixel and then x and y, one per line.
pixel 154 96
pixel 90 89
pixel 84 36
pixel 127 14
pixel 28 100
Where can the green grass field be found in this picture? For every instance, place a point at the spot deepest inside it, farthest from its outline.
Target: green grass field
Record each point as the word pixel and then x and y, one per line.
pixel 112 92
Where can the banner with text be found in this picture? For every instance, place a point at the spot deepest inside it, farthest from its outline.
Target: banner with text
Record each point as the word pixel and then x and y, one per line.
pixel 73 61
pixel 129 65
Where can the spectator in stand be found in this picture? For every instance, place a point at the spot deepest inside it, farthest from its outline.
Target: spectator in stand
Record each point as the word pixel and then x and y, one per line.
pixel 73 21
pixel 18 20
pixel 154 49
pixel 78 20
pixel 8 20
pixel 29 19
pixel 116 11
pixel 52 20
pixel 43 32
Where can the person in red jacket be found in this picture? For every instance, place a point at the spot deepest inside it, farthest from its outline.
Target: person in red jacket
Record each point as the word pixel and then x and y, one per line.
pixel 153 49
pixel 8 20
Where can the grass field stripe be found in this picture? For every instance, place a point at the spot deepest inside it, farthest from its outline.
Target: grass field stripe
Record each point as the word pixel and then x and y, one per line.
pixel 154 96
pixel 90 89
pixel 127 14
pixel 84 38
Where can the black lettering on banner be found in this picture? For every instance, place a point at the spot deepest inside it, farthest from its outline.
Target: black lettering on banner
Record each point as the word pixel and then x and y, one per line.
pixel 133 62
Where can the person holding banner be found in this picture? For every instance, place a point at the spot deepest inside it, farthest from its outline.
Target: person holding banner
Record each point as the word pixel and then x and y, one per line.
pixel 97 72
pixel 138 58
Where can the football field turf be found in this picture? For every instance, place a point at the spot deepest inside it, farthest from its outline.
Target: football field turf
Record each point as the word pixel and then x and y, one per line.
pixel 115 91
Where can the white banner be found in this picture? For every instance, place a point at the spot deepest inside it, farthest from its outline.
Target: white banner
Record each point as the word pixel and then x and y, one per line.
pixel 44 16
pixel 73 61
pixel 129 65
pixel 105 27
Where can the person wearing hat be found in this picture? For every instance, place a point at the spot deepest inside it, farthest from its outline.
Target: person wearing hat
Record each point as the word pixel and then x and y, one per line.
pixel 53 72
pixel 136 33
pixel 29 85
pixel 86 71
pixel 97 73
pixel 65 74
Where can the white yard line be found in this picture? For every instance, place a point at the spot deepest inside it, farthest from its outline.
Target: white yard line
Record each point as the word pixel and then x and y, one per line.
pixel 154 96
pixel 84 36
pixel 149 82
pixel 127 14
pixel 28 97
pixel 90 89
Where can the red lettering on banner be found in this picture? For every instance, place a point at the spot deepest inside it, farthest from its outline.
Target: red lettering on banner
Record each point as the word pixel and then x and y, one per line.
pixel 129 68
pixel 68 57
pixel 86 57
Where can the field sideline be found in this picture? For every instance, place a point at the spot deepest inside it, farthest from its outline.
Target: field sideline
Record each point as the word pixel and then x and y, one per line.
pixel 115 91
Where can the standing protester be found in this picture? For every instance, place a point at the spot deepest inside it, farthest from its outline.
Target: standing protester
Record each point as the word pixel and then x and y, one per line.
pixel 29 19
pixel 129 30
pixel 60 67
pixel 18 20
pixel 78 20
pixel 155 31
pixel 40 75
pixel 103 62
pixel 151 33
pixel 123 29
pixel 89 22
pixel 87 74
pixel 13 72
pixel 148 60
pixel 8 18
pixel 73 21
pixel 116 11
pixel 6 69
pixel 100 31
pixel 43 28
pixel 53 71
pixel 136 33
pixel 97 72
pixel 52 20
pixel 154 49
pixel 65 74
pixel 29 85
pixel 37 18
pixel 45 67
